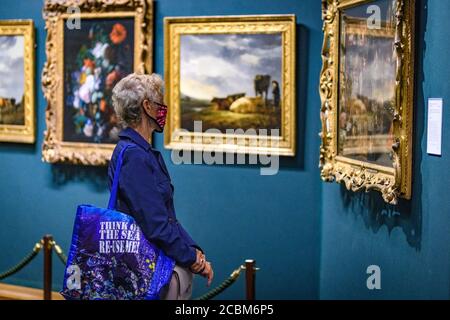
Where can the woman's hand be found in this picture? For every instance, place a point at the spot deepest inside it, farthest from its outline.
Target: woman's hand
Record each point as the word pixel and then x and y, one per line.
pixel 200 264
pixel 202 267
pixel 208 273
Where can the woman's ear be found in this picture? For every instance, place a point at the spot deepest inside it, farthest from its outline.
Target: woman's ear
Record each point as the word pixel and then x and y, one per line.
pixel 147 106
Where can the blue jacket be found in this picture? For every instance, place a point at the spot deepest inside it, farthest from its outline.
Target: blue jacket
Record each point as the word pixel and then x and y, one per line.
pixel 145 192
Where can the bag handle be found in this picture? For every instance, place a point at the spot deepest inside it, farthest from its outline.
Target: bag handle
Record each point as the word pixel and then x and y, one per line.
pixel 115 186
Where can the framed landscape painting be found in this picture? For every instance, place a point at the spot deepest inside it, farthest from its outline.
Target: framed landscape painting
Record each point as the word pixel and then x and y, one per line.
pixel 367 85
pixel 17 109
pixel 231 84
pixel 85 59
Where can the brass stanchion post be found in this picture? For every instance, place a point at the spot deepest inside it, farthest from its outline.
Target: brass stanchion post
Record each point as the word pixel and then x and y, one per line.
pixel 48 249
pixel 250 272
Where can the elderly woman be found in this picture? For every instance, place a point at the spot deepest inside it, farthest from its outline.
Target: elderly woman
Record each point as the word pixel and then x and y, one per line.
pixel 145 190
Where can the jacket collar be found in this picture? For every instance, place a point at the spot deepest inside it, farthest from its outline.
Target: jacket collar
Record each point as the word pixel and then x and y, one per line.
pixel 134 136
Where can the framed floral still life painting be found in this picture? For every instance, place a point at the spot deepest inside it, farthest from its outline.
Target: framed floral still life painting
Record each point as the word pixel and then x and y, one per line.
pixel 366 89
pixel 231 84
pixel 17 96
pixel 91 45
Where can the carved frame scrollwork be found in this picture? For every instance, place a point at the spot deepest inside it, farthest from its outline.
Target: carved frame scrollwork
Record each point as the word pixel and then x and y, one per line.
pixel 358 175
pixel 54 149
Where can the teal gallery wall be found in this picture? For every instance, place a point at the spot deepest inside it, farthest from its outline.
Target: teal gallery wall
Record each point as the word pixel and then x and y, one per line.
pixel 311 240
pixel 410 242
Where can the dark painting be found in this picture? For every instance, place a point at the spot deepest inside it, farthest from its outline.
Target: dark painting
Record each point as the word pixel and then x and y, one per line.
pixel 96 57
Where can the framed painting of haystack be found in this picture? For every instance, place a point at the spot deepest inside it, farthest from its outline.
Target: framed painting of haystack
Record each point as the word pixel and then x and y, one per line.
pixel 90 46
pixel 366 89
pixel 231 84
pixel 17 109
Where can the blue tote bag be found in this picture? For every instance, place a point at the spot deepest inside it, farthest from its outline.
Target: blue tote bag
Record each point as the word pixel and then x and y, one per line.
pixel 110 258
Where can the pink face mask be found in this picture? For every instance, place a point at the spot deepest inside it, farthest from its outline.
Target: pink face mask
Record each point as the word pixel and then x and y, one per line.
pixel 161 116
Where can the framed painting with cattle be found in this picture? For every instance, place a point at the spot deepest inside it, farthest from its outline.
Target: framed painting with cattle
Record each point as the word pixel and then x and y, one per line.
pixel 231 84
pixel 17 110
pixel 367 86
pixel 91 45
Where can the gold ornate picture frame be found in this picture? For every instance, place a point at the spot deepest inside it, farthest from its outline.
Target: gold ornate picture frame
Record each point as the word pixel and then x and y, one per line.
pixel 17 86
pixel 231 74
pixel 85 58
pixel 367 112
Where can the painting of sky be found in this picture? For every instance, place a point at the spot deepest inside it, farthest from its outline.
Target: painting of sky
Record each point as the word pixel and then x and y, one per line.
pixel 12 67
pixel 218 65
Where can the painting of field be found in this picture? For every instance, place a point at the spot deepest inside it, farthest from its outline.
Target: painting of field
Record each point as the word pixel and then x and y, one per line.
pixel 12 81
pixel 231 81
pixel 367 85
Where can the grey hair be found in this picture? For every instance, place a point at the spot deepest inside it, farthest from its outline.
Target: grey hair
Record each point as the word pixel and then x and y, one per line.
pixel 131 91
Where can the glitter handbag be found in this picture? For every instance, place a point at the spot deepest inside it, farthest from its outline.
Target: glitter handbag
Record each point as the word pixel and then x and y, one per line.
pixel 110 258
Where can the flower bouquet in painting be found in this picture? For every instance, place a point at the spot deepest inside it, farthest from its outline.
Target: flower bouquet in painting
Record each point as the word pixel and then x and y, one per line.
pixel 96 57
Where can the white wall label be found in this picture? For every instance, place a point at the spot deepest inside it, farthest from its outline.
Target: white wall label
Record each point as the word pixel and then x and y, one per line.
pixel 434 126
